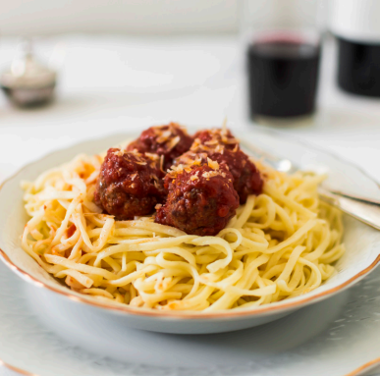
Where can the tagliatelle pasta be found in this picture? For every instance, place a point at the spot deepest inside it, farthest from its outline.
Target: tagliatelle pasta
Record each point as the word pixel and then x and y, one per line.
pixel 281 244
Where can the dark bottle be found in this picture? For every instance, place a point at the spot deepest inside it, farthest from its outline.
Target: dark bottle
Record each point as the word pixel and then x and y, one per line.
pixel 283 76
pixel 356 25
pixel 359 67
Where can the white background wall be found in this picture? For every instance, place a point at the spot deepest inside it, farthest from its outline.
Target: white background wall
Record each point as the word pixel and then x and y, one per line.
pixel 44 17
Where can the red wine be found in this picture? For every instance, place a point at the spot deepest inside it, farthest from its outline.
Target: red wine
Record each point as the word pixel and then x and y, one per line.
pixel 359 67
pixel 283 78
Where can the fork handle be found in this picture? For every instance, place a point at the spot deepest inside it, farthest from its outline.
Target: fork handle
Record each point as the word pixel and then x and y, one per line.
pixel 364 211
pixel 285 165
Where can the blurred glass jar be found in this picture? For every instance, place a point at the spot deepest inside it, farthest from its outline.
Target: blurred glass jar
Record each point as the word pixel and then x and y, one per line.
pixel 28 83
pixel 282 43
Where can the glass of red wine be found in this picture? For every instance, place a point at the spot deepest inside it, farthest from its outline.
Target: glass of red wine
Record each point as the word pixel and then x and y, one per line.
pixel 282 51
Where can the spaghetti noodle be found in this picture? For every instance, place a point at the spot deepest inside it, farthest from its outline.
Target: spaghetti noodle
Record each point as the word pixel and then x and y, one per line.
pixel 281 244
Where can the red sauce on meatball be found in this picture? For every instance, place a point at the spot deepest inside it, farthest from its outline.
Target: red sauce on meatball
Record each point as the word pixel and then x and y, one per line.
pixel 201 199
pixel 246 177
pixel 129 184
pixel 169 141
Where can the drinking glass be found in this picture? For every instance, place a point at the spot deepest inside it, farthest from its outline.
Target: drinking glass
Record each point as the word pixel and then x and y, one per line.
pixel 282 46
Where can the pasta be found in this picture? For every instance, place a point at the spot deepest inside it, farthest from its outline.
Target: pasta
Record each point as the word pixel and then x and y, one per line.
pixel 281 244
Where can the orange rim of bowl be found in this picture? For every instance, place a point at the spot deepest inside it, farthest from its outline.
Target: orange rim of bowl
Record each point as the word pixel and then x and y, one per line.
pixel 283 306
pixel 16 369
pixel 364 367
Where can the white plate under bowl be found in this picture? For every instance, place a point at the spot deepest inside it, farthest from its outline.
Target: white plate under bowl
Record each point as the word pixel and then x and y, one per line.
pixel 362 243
pixel 333 338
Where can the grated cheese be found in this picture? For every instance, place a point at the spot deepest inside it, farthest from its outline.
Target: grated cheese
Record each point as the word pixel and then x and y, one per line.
pixel 173 142
pixel 212 164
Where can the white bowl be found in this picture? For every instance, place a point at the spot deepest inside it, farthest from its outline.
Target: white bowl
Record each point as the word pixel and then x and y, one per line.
pixel 362 244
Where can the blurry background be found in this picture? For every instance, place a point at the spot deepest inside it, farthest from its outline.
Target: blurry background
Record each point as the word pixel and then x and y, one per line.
pixel 133 17
pixel 163 17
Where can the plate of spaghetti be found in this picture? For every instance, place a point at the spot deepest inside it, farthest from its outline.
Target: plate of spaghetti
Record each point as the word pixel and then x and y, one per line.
pixel 180 232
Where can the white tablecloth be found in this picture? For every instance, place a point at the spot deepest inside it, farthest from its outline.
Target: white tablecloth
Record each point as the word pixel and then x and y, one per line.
pixel 112 84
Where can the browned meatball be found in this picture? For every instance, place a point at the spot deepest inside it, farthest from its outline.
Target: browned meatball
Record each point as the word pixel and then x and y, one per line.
pixel 201 199
pixel 129 184
pixel 246 177
pixel 169 141
pixel 211 138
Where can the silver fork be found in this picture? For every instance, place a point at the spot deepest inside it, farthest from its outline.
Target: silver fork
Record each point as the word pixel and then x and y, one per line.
pixel 364 209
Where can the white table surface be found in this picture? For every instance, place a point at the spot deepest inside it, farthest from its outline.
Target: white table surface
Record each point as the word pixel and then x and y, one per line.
pixel 113 83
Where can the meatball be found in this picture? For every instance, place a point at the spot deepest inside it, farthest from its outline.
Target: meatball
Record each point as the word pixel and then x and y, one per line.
pixel 211 138
pixel 201 199
pixel 129 184
pixel 246 177
pixel 169 141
